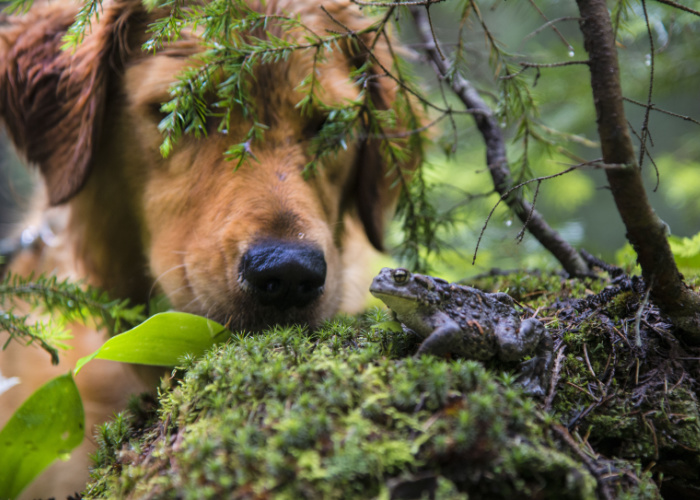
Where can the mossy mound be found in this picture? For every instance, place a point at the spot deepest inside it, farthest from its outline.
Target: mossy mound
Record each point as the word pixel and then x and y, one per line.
pixel 624 386
pixel 343 412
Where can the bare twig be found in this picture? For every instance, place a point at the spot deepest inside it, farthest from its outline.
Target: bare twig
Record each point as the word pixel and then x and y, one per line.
pixel 588 362
pixel 647 111
pixel 554 28
pixel 407 3
pixel 432 32
pixel 679 6
pixel 519 237
pixel 553 65
pixel 638 319
pixel 565 436
pixel 516 187
pixel 555 378
pixel 550 23
pixel 653 107
pixel 646 151
pixel 400 82
pixel 527 65
pixel 407 133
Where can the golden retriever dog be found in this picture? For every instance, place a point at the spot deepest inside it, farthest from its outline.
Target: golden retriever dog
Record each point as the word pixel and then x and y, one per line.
pixel 251 247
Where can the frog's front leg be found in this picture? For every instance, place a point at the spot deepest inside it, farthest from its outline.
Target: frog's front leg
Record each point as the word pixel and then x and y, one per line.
pixel 532 338
pixel 442 341
pixel 535 373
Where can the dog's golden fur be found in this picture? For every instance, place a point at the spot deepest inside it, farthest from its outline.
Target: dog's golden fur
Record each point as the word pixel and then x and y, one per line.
pixel 132 222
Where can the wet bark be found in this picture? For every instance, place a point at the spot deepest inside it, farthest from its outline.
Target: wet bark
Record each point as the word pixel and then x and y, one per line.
pixel 645 230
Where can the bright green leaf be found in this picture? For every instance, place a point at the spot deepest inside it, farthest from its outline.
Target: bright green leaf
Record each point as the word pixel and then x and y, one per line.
pixel 161 340
pixel 49 425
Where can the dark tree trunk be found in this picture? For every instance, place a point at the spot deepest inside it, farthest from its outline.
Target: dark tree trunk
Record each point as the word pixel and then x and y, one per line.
pixel 645 230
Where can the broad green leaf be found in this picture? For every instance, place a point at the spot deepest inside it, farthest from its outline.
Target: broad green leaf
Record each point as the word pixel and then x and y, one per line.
pixel 49 425
pixel 161 340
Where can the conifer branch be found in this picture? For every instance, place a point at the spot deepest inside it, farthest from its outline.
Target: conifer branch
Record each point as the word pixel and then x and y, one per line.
pixel 65 301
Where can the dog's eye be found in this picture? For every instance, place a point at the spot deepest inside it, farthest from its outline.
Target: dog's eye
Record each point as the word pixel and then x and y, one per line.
pixel 314 125
pixel 154 110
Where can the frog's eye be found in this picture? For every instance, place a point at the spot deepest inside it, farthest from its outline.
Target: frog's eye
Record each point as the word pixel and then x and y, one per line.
pixel 400 275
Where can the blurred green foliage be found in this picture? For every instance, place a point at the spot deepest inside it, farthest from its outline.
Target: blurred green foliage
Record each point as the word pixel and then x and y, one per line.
pixel 687 253
pixel 557 128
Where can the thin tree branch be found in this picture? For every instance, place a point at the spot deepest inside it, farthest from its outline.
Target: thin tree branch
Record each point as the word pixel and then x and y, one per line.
pixel 527 65
pixel 647 111
pixel 405 3
pixel 496 159
pixel 679 6
pixel 653 107
pixel 553 65
pixel 554 27
pixel 550 23
pixel 351 33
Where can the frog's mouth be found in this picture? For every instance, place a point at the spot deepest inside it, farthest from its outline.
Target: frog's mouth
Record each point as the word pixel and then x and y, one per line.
pixel 397 302
pixel 391 296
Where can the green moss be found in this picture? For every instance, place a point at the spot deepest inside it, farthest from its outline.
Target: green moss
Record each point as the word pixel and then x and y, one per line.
pixel 345 412
pixel 622 305
pixel 330 415
pixel 538 289
pixel 531 463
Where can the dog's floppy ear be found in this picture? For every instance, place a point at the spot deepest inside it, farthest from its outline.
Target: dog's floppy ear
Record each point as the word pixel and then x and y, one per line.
pixel 378 177
pixel 374 194
pixel 53 100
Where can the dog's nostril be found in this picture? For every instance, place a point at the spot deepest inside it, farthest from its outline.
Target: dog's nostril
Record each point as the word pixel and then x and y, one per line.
pixel 306 287
pixel 283 274
pixel 271 286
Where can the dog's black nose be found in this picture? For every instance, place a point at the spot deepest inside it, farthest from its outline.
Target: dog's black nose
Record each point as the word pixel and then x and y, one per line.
pixel 283 274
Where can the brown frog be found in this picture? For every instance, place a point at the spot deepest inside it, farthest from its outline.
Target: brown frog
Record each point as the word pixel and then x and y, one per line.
pixel 464 321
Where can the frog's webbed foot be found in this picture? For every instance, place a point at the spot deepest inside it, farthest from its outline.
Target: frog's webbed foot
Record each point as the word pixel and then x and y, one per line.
pixel 530 378
pixel 535 373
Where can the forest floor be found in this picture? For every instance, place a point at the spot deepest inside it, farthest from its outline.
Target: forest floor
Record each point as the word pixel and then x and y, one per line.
pixel 346 412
